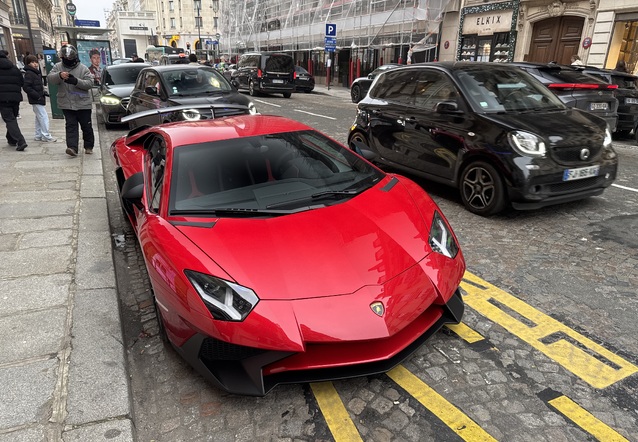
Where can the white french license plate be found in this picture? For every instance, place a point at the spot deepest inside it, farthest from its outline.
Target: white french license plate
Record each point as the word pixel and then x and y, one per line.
pixel 598 106
pixel 580 173
pixel 631 100
pixel 278 81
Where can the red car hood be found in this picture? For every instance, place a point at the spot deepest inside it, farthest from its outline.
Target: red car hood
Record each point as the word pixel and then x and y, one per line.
pixel 328 251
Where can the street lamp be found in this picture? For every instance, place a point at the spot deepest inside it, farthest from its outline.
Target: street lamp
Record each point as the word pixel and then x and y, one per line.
pixel 215 11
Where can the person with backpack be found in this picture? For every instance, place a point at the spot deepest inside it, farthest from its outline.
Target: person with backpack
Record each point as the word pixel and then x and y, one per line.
pixel 11 82
pixel 36 95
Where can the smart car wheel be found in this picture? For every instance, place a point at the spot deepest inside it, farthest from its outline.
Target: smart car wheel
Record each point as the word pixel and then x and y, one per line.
pixel 482 189
pixel 251 89
pixel 355 94
pixel 287 94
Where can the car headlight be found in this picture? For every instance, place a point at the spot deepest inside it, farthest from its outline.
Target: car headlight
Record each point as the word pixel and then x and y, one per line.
pixel 526 143
pixel 191 115
pixel 110 100
pixel 252 109
pixel 441 238
pixel 225 300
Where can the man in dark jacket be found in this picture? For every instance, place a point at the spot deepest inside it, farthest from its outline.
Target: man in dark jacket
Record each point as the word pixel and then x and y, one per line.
pixel 11 82
pixel 34 88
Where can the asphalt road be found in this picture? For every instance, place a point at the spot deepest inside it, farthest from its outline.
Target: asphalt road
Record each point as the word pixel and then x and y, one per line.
pixel 547 350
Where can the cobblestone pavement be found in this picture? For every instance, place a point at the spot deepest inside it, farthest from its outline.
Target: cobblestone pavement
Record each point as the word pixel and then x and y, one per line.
pixel 545 289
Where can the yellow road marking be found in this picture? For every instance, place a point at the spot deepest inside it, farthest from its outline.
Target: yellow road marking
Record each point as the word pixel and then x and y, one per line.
pixel 465 332
pixel 335 413
pixel 585 420
pixel 454 418
pixel 590 369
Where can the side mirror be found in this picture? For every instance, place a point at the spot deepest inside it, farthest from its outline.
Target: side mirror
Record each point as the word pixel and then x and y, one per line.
pixel 150 90
pixel 133 190
pixel 447 107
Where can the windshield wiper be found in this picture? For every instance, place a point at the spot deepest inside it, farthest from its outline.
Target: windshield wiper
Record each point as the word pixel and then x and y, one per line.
pixel 234 212
pixel 334 193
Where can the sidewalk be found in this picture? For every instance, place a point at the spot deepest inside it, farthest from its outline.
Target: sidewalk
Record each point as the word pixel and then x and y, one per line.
pixel 62 362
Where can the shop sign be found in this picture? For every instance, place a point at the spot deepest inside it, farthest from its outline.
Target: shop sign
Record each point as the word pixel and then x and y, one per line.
pixel 487 23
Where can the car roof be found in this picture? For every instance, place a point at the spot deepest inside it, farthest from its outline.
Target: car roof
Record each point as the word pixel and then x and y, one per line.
pixel 597 70
pixel 178 67
pixel 127 66
pixel 202 131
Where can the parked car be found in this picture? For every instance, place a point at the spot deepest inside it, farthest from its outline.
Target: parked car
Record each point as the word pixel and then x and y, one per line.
pixel 304 81
pixel 158 87
pixel 116 85
pixel 283 310
pixel 267 72
pixel 228 71
pixel 173 59
pixel 577 89
pixel 359 87
pixel 491 130
pixel 627 95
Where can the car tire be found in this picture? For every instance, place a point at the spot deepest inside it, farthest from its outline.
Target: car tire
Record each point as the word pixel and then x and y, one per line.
pixel 355 93
pixel 251 89
pixel 621 134
pixel 357 136
pixel 307 91
pixel 482 189
pixel 287 94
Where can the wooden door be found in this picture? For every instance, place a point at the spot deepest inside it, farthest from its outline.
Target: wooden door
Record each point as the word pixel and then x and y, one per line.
pixel 556 39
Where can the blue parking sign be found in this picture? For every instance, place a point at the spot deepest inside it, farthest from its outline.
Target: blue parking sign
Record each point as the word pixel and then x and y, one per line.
pixel 331 29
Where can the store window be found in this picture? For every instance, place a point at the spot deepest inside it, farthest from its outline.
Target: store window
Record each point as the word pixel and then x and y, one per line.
pixel 624 45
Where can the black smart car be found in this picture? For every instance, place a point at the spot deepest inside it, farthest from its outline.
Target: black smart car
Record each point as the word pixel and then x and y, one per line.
pixel 158 87
pixel 490 129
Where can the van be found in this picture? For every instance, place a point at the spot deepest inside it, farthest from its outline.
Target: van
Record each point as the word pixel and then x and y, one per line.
pixel 265 72
pixel 173 59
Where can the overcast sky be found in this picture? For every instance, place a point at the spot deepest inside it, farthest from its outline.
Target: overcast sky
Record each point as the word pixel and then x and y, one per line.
pixel 92 10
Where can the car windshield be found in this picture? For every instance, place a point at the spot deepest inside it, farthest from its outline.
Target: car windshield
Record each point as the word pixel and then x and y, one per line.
pixel 300 70
pixel 195 81
pixel 269 174
pixel 500 90
pixel 127 75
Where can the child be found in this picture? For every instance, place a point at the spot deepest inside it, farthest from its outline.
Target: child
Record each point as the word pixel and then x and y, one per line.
pixel 34 88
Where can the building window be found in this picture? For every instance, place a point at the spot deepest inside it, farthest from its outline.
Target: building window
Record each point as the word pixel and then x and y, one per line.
pixel 198 22
pixel 198 5
pixel 59 21
pixel 172 23
pixel 171 6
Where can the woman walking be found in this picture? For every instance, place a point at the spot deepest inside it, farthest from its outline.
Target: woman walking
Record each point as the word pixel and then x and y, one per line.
pixel 35 93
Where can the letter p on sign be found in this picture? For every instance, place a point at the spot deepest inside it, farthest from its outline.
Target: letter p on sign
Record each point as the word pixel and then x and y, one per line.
pixel 331 30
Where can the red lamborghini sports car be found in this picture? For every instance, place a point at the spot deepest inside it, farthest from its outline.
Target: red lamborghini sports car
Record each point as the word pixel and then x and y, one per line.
pixel 277 255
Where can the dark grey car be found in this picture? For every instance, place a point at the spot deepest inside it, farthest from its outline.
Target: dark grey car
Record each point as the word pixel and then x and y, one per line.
pixel 577 89
pixel 159 87
pixel 359 87
pixel 115 89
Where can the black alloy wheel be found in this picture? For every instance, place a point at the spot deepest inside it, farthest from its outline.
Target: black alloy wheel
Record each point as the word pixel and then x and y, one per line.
pixel 355 93
pixel 251 89
pixel 482 189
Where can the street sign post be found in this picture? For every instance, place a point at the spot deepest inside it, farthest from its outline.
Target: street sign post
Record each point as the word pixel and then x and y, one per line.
pixel 71 9
pixel 331 30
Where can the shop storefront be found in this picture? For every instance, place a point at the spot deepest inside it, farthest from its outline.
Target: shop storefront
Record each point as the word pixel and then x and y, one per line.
pixel 488 32
pixel 624 42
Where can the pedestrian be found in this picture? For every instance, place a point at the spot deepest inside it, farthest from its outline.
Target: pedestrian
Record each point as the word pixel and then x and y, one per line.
pixel 95 68
pixel 43 68
pixel 576 60
pixel 74 82
pixel 36 94
pixel 192 59
pixel 11 82
pixel 621 66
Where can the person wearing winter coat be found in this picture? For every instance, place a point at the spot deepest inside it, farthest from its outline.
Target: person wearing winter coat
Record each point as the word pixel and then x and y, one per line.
pixel 74 82
pixel 36 95
pixel 11 82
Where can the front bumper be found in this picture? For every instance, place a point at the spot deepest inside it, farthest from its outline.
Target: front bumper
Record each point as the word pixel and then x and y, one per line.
pixel 251 371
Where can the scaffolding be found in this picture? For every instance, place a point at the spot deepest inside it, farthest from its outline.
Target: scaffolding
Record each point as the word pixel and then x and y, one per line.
pixel 396 29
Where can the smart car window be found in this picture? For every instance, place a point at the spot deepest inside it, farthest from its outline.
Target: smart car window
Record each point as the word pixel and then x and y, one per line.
pixel 433 88
pixel 397 86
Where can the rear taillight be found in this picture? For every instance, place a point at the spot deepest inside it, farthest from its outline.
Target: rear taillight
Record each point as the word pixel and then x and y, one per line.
pixel 572 86
pixel 258 73
pixel 294 75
